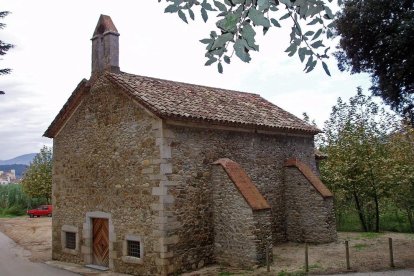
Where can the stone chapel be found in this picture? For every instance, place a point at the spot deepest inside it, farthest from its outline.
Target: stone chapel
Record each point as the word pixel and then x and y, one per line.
pixel 156 177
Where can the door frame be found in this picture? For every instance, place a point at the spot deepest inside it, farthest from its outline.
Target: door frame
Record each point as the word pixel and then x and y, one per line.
pixel 87 233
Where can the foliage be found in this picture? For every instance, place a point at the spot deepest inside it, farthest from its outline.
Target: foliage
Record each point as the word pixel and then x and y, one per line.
pixel 377 37
pixel 401 169
pixel 12 195
pixel 14 202
pixel 240 20
pixel 356 169
pixel 37 182
pixel 4 47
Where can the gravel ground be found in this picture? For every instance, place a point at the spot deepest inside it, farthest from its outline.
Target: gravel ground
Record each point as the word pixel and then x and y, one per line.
pixel 368 252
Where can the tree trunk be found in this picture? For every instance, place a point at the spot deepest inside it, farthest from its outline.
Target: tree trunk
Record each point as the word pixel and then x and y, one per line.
pixel 377 214
pixel 360 212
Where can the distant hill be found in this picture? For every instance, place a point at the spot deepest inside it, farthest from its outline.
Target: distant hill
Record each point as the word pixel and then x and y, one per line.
pixel 20 169
pixel 22 159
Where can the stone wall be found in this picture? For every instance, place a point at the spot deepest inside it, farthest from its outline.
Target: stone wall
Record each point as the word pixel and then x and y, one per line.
pixel 105 159
pixel 240 234
pixel 153 180
pixel 193 150
pixel 309 216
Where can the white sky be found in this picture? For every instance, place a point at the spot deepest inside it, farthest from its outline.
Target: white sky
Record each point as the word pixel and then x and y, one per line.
pixel 53 53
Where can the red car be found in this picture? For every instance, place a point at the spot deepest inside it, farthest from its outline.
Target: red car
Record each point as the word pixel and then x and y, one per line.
pixel 42 210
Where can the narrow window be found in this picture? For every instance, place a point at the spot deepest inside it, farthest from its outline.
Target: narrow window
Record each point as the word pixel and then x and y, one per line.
pixel 134 249
pixel 70 240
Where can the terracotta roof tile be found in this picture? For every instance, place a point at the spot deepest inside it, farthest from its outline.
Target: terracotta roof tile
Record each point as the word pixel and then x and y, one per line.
pixel 244 184
pixel 310 176
pixel 195 103
pixel 189 102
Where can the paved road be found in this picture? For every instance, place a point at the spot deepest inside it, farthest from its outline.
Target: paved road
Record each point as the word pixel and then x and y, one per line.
pixel 14 262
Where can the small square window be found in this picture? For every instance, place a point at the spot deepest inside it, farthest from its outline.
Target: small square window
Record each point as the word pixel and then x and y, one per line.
pixel 134 249
pixel 70 240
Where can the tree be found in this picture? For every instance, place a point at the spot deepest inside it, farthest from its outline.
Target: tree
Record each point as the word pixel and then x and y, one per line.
pixel 401 169
pixel 239 21
pixel 355 140
pixel 37 181
pixel 377 37
pixel 4 47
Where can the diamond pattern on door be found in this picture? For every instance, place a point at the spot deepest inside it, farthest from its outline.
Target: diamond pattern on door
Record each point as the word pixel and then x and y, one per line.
pixel 100 242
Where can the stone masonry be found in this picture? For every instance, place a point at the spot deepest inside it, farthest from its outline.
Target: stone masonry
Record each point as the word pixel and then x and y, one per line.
pixel 241 233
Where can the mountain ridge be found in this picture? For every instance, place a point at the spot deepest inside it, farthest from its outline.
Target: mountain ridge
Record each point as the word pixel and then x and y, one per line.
pixel 24 159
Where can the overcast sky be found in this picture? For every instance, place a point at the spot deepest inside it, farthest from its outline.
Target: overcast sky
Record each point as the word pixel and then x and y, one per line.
pixel 53 53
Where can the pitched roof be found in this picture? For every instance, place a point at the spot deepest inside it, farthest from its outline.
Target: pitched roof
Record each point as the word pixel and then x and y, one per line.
pixel 310 176
pixel 244 184
pixel 195 103
pixel 189 102
pixel 104 25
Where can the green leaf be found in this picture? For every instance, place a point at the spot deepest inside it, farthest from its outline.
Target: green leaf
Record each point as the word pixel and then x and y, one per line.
pixel 210 61
pixel 182 16
pixel 329 13
pixel 241 51
pixel 222 40
pixel 309 33
pixel 204 14
pixel 314 21
pixel 226 59
pixel 207 6
pixel 292 49
pixel 206 40
pixel 273 8
pixel 329 33
pixel 263 4
pixel 220 68
pixel 258 18
pixel 229 23
pixel 249 35
pixel 191 14
pixel 317 34
pixel 302 53
pixel 285 16
pixel 172 8
pixel 286 2
pixel 311 66
pixel 275 22
pixel 317 44
pixel 310 60
pixel 265 29
pixel 325 67
pixel 220 6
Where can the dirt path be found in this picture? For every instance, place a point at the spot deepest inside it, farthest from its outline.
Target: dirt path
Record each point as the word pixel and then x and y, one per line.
pixel 368 251
pixel 33 234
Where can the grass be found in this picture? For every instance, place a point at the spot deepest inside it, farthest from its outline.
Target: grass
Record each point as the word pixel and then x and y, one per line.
pixel 360 246
pixel 370 235
pixel 315 266
pixel 390 220
pixel 225 273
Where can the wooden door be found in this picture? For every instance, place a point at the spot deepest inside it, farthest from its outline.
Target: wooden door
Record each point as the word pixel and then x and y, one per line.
pixel 100 242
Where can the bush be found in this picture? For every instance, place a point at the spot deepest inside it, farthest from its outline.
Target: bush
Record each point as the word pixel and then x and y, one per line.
pixel 14 210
